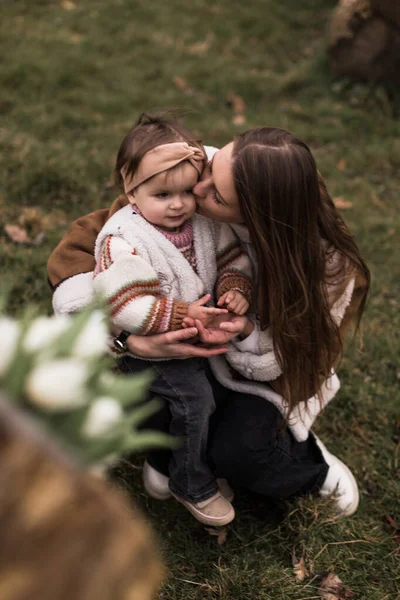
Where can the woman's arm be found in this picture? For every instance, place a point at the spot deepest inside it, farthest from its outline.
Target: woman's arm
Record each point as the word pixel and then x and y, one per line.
pixel 75 253
pixel 70 266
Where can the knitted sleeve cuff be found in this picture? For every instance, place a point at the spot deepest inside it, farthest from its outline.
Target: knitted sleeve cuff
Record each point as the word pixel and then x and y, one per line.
pixel 234 281
pixel 165 315
pixel 178 313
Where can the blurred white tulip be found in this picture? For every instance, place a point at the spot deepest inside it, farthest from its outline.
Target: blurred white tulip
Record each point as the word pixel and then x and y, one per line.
pixel 9 334
pixel 58 385
pixel 44 330
pixel 103 414
pixel 92 341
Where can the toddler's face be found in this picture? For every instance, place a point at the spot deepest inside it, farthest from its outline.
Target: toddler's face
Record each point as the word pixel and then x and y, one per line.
pixel 167 199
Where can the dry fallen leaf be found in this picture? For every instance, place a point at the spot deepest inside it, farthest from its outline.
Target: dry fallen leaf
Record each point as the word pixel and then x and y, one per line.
pixel 68 5
pixel 239 120
pixel 75 38
pixel 341 165
pixel 299 568
pixel 221 533
pixel 237 102
pixel 38 239
pixel 392 522
pixel 394 527
pixel 332 588
pixel 340 202
pixel 31 219
pixel 17 234
pixel 378 202
pixel 238 106
pixel 201 47
pixel 183 85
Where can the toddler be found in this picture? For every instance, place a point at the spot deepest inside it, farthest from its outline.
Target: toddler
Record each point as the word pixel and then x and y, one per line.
pixel 157 262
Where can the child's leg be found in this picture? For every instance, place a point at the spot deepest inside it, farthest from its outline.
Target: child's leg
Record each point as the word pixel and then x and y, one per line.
pixel 191 401
pixel 184 385
pixel 159 459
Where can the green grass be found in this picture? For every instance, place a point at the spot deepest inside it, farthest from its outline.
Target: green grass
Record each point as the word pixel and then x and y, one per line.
pixel 73 81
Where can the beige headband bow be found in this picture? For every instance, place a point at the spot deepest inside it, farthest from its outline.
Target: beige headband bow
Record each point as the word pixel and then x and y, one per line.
pixel 162 158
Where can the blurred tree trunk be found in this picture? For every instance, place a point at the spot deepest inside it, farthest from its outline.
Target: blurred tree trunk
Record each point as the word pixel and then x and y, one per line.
pixel 364 40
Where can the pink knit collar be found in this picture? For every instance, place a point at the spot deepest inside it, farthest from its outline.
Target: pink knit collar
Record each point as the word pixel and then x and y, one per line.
pixel 181 238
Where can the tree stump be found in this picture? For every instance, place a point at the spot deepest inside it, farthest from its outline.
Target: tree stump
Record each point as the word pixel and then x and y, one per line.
pixel 364 40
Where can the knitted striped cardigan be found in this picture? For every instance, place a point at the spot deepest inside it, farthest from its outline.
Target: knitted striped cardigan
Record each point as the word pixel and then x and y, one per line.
pixel 147 280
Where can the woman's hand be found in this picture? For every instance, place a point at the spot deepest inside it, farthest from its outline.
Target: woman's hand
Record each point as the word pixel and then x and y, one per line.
pixel 225 331
pixel 242 326
pixel 170 345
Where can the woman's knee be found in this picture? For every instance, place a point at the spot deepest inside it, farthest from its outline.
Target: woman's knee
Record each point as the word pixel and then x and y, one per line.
pixel 249 421
pixel 245 433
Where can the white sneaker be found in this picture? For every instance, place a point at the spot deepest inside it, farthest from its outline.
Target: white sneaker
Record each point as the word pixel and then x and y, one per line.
pixel 339 482
pixel 226 490
pixel 156 484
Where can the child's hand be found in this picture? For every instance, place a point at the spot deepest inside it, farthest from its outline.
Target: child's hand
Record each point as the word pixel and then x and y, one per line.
pixel 205 314
pixel 235 302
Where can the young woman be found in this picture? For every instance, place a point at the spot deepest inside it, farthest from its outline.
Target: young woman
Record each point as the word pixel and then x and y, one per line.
pixel 311 286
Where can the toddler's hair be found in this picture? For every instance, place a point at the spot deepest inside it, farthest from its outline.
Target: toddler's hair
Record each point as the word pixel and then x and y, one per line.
pixel 149 132
pixel 65 534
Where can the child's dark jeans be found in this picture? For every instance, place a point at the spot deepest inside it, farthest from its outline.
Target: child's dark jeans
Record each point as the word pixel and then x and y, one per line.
pixel 185 386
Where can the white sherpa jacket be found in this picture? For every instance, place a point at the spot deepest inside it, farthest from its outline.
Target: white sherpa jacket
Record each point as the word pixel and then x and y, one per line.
pixel 254 358
pixel 149 283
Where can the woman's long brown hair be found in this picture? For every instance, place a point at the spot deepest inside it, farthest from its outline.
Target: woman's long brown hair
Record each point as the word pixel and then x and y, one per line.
pixel 296 230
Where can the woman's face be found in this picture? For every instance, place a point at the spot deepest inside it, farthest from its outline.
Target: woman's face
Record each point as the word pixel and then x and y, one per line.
pixel 215 192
